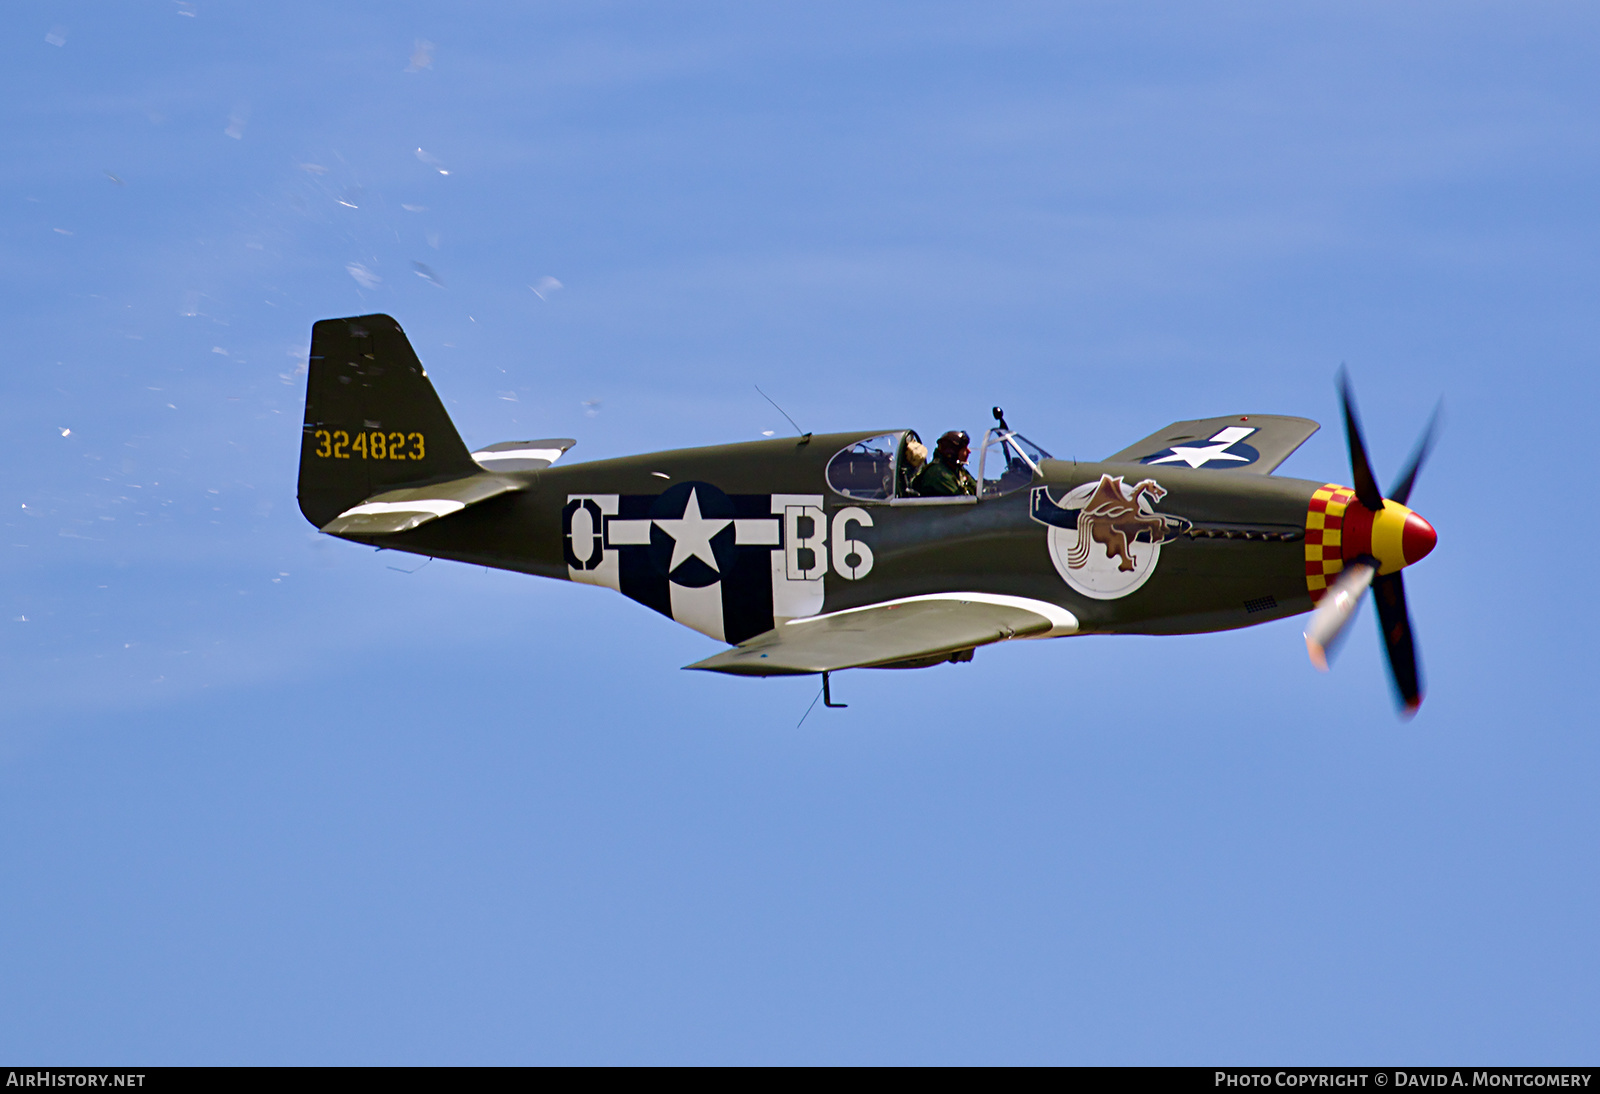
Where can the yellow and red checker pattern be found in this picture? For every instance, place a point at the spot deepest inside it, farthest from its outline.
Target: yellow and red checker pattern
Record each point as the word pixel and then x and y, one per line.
pixel 1325 537
pixel 1339 528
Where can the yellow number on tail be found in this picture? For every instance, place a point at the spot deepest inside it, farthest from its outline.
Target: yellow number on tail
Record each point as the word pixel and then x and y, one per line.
pixel 375 445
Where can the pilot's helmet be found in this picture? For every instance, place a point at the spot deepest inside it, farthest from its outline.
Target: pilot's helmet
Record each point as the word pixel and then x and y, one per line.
pixel 951 444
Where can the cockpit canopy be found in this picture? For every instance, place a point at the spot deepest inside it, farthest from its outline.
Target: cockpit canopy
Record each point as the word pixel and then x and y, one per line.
pixel 1008 462
pixel 866 469
pixel 878 468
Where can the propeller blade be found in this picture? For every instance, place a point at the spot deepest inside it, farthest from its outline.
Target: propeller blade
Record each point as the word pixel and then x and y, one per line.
pixel 1402 487
pixel 1395 623
pixel 1366 486
pixel 1334 610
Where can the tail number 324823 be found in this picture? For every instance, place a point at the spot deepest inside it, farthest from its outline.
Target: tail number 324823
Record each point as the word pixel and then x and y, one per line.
pixel 369 445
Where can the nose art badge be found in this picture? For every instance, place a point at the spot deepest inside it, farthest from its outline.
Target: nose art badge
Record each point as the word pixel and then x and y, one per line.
pixel 1105 537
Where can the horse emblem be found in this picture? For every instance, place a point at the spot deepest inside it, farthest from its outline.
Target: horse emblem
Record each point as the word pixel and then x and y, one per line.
pixel 1105 537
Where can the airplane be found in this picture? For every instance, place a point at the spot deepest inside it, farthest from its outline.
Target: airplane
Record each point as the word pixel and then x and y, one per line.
pixel 815 554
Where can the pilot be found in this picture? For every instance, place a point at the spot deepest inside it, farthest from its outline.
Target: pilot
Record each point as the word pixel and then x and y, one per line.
pixel 913 459
pixel 945 476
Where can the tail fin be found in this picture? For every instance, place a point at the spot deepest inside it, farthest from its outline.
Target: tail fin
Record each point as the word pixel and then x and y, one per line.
pixel 373 421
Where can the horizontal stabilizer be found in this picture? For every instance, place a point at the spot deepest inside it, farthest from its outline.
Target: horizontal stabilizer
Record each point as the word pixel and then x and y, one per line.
pixel 402 510
pixel 1254 444
pixel 913 630
pixel 522 455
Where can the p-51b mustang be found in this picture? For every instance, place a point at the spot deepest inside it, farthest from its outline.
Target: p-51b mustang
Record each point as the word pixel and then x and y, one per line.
pixel 811 555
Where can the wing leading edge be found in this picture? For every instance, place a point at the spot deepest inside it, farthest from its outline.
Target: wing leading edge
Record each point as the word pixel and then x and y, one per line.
pixel 1254 444
pixel 914 629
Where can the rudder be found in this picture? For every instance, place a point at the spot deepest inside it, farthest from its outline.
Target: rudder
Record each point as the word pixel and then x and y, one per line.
pixel 373 421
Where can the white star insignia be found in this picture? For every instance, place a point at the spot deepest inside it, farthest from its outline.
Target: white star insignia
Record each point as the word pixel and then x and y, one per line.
pixel 691 534
pixel 1196 457
pixel 1216 448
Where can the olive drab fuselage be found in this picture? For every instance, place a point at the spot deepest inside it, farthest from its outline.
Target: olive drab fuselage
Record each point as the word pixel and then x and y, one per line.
pixel 1240 561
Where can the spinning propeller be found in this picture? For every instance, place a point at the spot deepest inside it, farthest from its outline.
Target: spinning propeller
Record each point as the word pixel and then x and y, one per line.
pixel 1378 538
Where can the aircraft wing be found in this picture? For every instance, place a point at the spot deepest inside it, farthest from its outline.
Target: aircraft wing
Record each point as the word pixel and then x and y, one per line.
pixel 402 510
pixel 1251 443
pixel 912 630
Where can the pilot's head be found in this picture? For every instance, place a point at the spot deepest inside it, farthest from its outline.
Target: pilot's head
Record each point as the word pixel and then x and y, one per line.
pixel 954 447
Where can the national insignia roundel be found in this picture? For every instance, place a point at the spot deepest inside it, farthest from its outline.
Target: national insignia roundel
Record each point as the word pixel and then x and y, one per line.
pixel 1223 450
pixel 692 534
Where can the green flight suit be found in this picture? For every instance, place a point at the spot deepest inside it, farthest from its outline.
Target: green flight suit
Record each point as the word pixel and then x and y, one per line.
pixel 941 480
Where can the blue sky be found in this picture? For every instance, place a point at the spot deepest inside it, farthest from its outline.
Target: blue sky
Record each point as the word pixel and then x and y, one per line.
pixel 267 798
